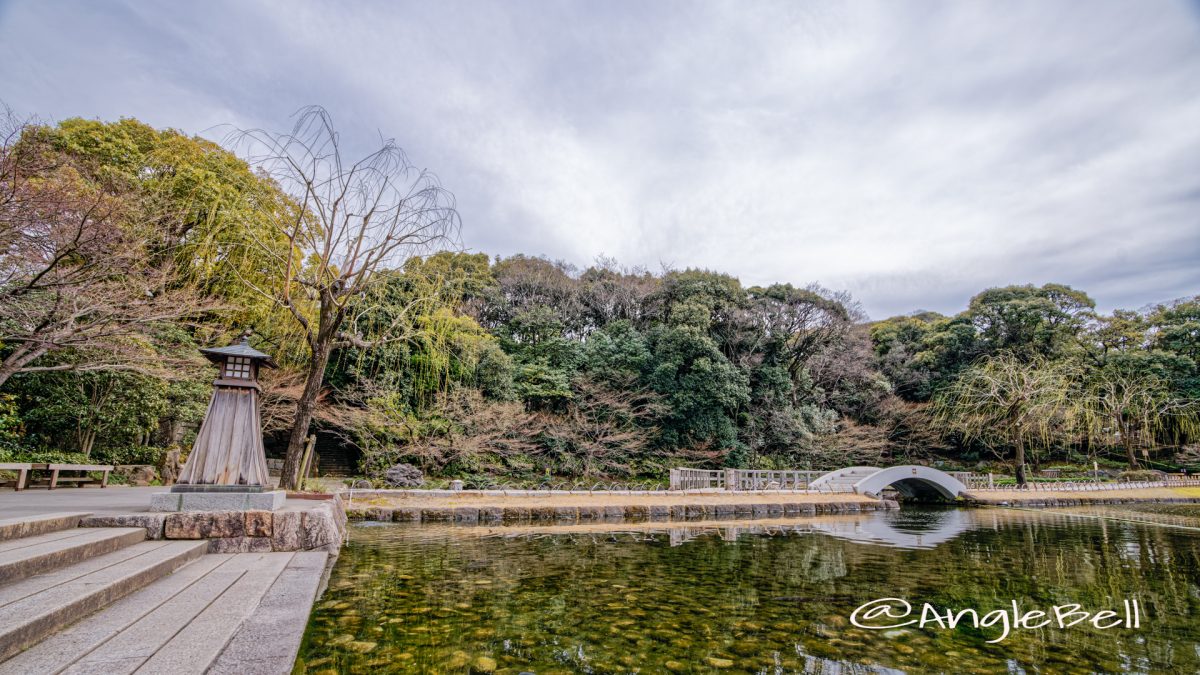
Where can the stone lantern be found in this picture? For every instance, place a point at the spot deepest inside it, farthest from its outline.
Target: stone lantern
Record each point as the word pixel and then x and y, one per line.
pixel 227 468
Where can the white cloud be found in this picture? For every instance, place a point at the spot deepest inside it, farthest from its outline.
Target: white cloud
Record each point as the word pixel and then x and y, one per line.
pixel 911 153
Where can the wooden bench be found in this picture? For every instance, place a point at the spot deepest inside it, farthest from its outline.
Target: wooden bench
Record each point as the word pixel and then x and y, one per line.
pixel 22 473
pixel 55 478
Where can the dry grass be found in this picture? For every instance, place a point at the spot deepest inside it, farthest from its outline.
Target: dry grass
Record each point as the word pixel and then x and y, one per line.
pixel 1147 494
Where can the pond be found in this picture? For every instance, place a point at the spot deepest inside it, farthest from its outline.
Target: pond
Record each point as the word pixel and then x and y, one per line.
pixel 769 597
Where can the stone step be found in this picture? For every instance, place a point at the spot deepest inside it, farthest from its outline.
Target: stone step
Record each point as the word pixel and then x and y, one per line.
pixel 30 526
pixel 28 556
pixel 224 613
pixel 36 607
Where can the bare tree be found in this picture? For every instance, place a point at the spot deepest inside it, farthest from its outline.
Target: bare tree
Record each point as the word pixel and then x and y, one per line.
pixel 350 221
pixel 75 273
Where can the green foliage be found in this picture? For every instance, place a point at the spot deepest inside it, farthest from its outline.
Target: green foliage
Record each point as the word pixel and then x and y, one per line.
pixel 702 389
pixel 79 411
pixel 1030 320
pixel 45 457
pixel 195 200
pixel 542 387
pixel 130 454
pixel 12 428
pixel 1176 328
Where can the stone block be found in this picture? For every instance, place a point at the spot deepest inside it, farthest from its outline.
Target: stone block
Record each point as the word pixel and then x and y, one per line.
pixel 566 513
pixel 634 512
pixel 514 514
pixel 258 523
pixel 743 509
pixel 543 513
pixel 614 513
pixel 213 501
pixel 321 530
pixel 774 509
pixel 285 530
pixel 271 500
pixel 491 514
pixel 760 510
pixel 467 515
pixel 591 513
pixel 406 514
pixel 240 545
pixel 678 511
pixel 660 512
pixel 436 515
pixel 204 525
pixel 152 522
pixel 165 501
pixel 379 513
pixel 217 501
pixel 723 509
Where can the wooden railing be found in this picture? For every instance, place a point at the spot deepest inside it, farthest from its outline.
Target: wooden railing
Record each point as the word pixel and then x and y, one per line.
pixel 753 479
pixel 985 482
pixel 697 479
pixel 741 479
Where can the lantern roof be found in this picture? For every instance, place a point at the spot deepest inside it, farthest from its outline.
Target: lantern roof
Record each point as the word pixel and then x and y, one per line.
pixel 240 348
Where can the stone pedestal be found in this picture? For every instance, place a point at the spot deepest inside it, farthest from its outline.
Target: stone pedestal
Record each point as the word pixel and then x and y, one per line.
pixel 217 501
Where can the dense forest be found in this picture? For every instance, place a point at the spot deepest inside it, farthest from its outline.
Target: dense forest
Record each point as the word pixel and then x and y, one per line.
pixel 126 248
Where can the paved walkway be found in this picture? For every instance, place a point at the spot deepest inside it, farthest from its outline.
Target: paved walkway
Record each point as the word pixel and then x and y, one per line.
pixel 242 613
pixel 112 500
pixel 108 600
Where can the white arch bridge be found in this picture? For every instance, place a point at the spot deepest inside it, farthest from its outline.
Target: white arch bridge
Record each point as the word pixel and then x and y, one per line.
pixel 912 481
pixel 921 482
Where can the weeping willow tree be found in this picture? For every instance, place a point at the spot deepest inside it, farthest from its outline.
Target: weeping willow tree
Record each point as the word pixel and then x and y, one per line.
pixel 1131 401
pixel 1023 403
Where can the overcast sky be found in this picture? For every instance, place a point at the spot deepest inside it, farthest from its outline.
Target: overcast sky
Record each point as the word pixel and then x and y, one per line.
pixel 912 153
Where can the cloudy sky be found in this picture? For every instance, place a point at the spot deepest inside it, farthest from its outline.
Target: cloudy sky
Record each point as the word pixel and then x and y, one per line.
pixel 912 152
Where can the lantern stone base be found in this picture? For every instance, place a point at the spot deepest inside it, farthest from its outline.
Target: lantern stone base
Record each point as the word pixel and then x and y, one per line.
pixel 217 501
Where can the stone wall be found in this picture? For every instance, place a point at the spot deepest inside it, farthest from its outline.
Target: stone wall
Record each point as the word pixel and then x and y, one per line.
pixel 320 526
pixel 467 515
pixel 1048 500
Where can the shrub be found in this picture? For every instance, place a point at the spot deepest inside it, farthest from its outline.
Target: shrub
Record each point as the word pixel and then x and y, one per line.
pixel 48 457
pixel 130 454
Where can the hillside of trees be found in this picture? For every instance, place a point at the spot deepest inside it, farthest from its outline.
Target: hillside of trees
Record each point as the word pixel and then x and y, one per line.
pixel 126 248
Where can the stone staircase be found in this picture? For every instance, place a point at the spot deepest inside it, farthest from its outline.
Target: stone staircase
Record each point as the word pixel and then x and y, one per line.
pixel 106 600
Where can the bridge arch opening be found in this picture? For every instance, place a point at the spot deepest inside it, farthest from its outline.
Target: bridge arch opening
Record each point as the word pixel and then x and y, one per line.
pixel 913 482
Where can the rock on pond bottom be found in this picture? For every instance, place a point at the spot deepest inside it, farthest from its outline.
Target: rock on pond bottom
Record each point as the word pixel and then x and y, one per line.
pixel 668 597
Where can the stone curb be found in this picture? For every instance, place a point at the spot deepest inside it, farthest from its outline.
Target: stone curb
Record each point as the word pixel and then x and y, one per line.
pixel 320 527
pixel 471 515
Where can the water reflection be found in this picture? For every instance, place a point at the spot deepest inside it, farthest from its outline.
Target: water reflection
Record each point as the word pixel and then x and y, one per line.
pixel 765 597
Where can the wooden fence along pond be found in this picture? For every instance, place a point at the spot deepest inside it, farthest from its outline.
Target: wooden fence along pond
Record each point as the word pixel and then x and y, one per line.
pixel 756 479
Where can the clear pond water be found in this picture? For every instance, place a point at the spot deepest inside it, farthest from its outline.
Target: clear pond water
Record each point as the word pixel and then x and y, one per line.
pixel 761 598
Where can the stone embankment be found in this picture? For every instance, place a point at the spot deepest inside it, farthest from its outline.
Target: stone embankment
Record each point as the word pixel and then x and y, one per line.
pixel 580 509
pixel 1047 499
pixel 312 526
